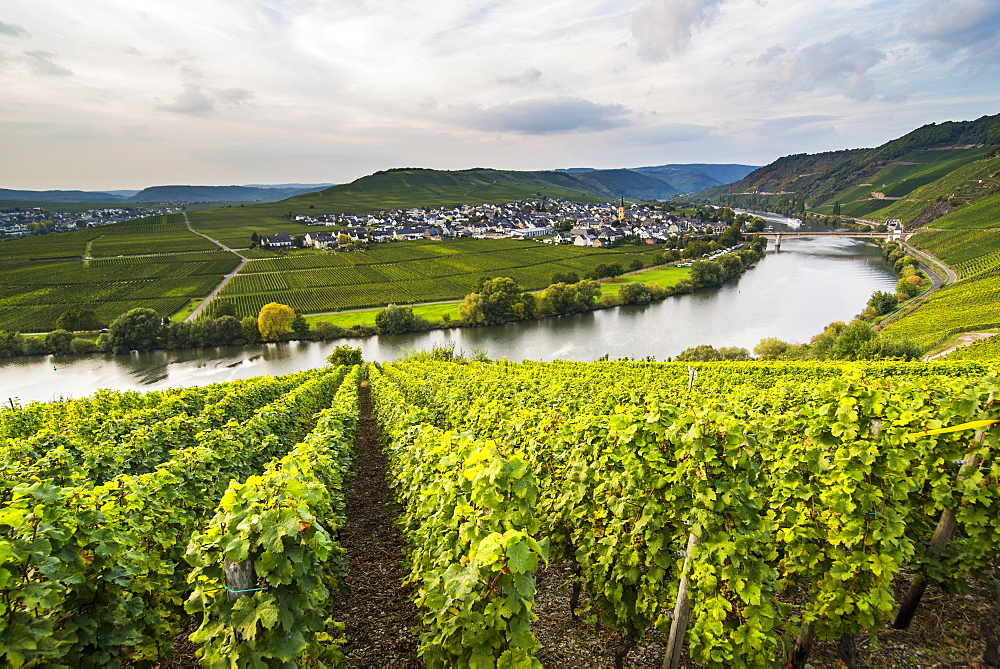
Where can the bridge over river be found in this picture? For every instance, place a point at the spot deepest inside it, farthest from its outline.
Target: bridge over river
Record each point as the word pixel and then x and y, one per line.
pixel 785 234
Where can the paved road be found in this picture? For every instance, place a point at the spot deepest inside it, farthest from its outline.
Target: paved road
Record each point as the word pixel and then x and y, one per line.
pixel 963 339
pixel 225 279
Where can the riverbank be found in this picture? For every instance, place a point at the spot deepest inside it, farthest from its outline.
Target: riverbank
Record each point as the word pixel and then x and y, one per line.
pixel 789 295
pixel 435 312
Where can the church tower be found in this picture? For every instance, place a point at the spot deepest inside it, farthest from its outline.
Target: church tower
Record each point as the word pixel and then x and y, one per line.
pixel 621 211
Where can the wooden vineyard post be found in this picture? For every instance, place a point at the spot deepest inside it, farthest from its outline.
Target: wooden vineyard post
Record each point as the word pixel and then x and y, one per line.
pixel 682 607
pixel 803 644
pixel 942 535
pixel 682 611
pixel 240 579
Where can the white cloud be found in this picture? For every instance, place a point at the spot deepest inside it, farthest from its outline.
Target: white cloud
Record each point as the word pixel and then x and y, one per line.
pixel 526 78
pixel 12 30
pixel 41 64
pixel 191 100
pixel 664 27
pixel 546 116
pixel 967 27
pixel 199 101
pixel 841 63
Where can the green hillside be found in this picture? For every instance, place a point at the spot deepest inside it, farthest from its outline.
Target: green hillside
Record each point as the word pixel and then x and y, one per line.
pixel 406 188
pixel 697 176
pixel 391 189
pixel 899 179
pixel 968 240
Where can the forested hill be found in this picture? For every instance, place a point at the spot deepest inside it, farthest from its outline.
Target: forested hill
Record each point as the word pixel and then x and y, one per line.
pixel 419 187
pixel 884 174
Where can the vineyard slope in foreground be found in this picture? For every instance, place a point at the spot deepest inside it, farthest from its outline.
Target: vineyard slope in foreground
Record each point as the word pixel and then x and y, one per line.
pixel 737 514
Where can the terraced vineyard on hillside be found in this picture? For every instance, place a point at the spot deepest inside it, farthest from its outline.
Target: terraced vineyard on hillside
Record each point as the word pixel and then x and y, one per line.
pixel 963 241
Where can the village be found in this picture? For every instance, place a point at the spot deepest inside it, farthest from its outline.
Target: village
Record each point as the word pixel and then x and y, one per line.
pixel 549 221
pixel 40 221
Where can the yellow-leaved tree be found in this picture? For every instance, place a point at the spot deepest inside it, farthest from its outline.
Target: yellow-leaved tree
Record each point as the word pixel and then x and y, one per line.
pixel 274 320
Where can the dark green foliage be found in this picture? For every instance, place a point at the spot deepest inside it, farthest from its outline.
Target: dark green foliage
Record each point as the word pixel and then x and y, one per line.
pixel 75 320
pixel 325 331
pixel 565 277
pixel 227 329
pixel 219 308
pixel 34 346
pixel 634 293
pixel 10 343
pixel 396 319
pixel 708 353
pixel 705 273
pixel 345 355
pixel 59 341
pixel 732 236
pixel 882 302
pixel 249 330
pixel 135 330
pixel 561 298
pixel 299 326
pixel 496 301
pixel 606 271
pixel 907 288
pixel 80 346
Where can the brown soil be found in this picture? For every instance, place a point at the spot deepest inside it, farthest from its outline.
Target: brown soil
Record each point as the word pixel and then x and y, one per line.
pixel 377 612
pixel 947 632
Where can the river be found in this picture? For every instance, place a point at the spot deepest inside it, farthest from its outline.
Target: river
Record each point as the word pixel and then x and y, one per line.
pixel 791 294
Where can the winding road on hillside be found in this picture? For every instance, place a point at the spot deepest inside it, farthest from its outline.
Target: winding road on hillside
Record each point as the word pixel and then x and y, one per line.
pixel 937 282
pixel 222 284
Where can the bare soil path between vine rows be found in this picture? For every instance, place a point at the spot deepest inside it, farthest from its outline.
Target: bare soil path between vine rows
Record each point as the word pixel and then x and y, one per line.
pixel 379 617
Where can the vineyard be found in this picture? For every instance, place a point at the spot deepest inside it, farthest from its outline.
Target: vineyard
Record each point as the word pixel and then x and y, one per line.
pixel 157 263
pixel 742 514
pixel 963 241
pixel 407 272
pixel 34 294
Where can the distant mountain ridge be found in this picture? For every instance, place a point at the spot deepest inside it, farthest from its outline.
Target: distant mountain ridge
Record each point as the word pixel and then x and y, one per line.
pixel 644 183
pixel 252 193
pixel 218 193
pixel 681 178
pixel 421 187
pixel 58 196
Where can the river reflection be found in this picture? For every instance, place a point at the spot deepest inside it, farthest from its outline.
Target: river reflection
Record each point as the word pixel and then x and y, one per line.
pixel 791 294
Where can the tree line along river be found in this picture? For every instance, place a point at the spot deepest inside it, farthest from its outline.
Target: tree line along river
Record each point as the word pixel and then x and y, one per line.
pixel 791 294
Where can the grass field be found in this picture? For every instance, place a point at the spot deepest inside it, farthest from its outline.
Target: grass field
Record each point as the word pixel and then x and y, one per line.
pixel 660 276
pixel 432 312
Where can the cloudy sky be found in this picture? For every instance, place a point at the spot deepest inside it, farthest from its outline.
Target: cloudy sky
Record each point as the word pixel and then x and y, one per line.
pixel 104 94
